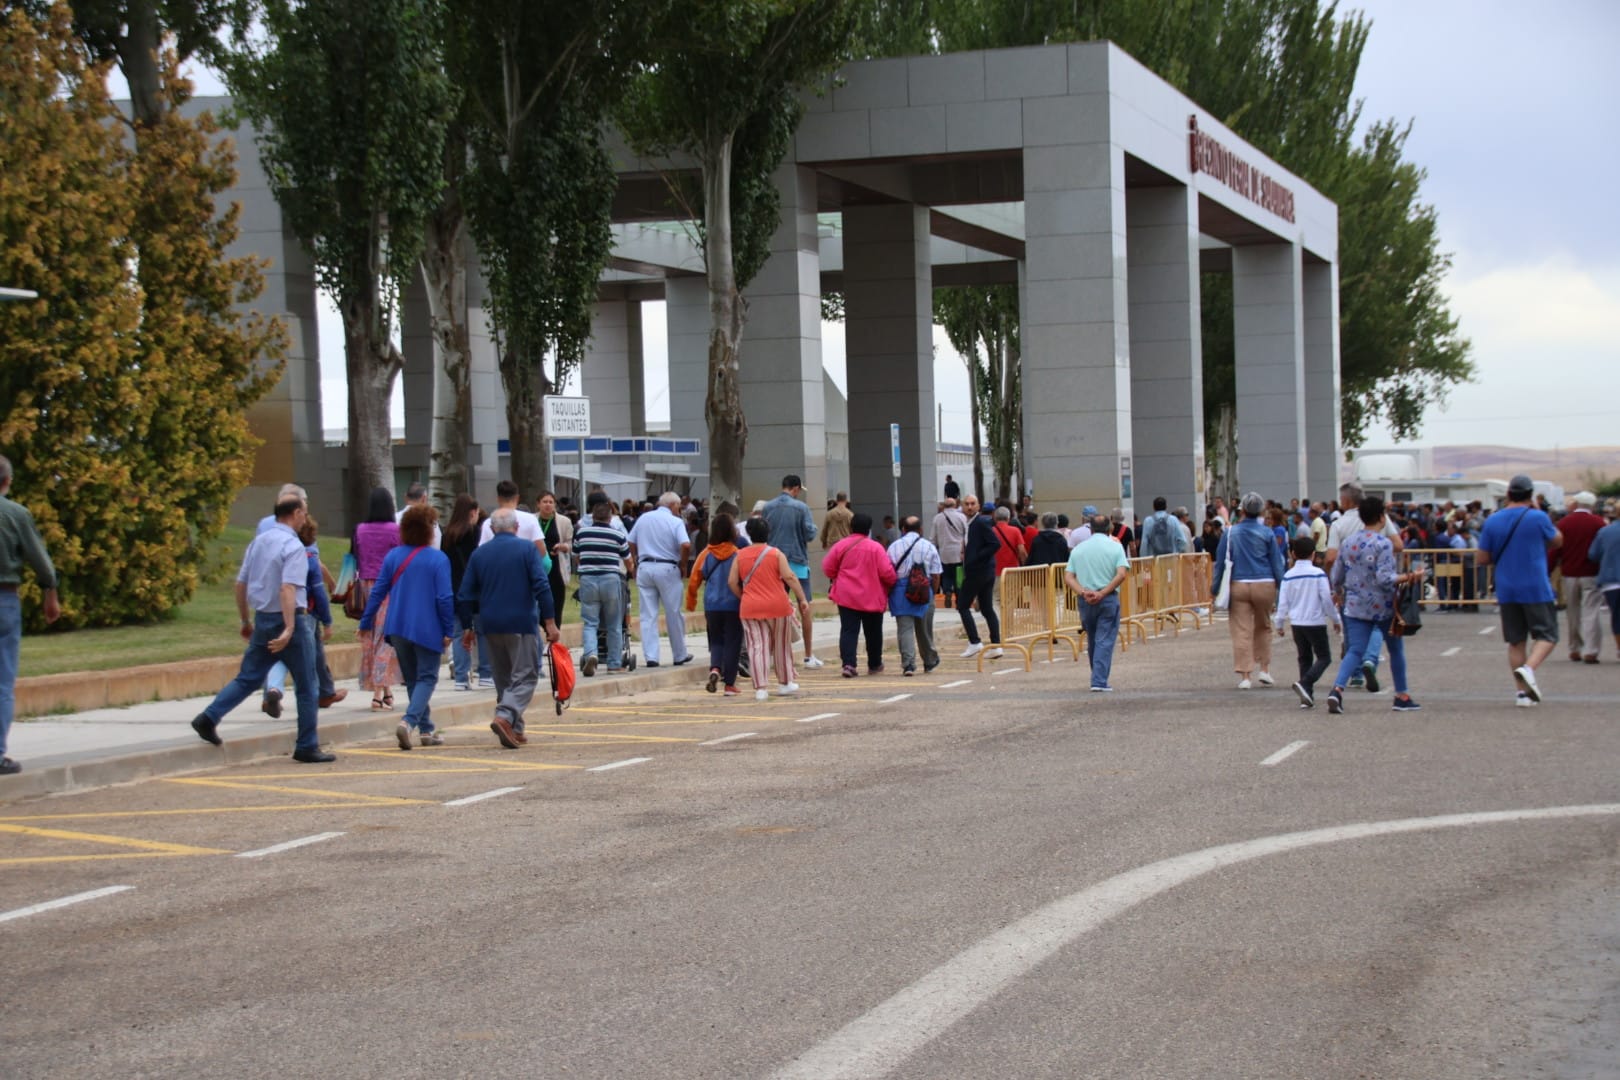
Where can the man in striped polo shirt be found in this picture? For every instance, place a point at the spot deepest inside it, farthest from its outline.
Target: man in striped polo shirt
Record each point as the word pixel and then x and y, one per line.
pixel 604 556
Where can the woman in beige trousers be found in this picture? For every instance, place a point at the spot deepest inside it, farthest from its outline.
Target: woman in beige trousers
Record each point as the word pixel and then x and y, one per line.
pixel 1257 568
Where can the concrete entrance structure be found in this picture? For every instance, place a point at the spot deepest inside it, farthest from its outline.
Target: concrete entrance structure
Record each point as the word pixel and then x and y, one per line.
pixel 1072 171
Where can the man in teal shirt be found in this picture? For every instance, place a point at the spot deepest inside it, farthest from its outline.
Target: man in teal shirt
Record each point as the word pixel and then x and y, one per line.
pixel 19 544
pixel 1096 569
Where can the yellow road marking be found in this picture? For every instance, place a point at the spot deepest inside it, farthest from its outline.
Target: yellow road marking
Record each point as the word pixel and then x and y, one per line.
pixel 115 841
pixel 347 795
pixel 36 859
pixel 199 810
pixel 426 769
pixel 611 738
pixel 506 766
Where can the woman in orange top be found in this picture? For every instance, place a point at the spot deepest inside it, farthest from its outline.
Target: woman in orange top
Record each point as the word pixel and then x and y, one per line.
pixel 762 577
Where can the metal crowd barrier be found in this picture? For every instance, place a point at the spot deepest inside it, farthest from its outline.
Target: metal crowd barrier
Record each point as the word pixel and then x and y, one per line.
pixel 1460 580
pixel 1036 605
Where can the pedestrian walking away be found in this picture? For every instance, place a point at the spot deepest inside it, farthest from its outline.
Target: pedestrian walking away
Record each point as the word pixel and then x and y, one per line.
pixel 1305 607
pixel 711 575
pixel 20 545
pixel 370 544
pixel 528 529
pixel 835 525
pixel 507 592
pixel 1257 569
pixel 948 533
pixel 1095 570
pixel 791 531
pixel 763 579
pixel 917 570
pixel 414 587
pixel 1366 575
pixel 1347 525
pixel 979 579
pixel 1162 533
pixel 1583 598
pixel 861 576
pixel 1516 540
pixel 1605 552
pixel 272 599
pixel 660 548
pixel 604 563
pixel 458 542
pixel 320 606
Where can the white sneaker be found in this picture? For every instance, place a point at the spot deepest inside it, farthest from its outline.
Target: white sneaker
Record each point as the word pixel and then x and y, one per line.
pixel 1266 679
pixel 761 695
pixel 1523 701
pixel 973 650
pixel 813 662
pixel 1526 678
pixel 788 688
pixel 994 654
pixel 1243 685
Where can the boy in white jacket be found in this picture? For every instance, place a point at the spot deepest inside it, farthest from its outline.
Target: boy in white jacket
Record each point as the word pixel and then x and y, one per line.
pixel 1306 603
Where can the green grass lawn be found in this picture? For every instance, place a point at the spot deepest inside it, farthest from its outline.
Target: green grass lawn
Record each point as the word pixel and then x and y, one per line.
pixel 207 626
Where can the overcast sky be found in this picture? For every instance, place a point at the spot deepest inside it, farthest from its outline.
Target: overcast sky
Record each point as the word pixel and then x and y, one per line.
pixel 1514 114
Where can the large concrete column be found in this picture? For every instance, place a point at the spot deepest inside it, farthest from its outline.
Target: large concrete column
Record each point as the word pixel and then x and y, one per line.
pixel 1167 377
pixel 686 310
pixel 636 363
pixel 1076 331
pixel 888 320
pixel 1268 328
pixel 781 354
pixel 1322 426
pixel 484 459
pixel 412 460
pixel 604 375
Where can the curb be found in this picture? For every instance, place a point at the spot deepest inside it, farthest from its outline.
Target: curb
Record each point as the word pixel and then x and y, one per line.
pixel 195 755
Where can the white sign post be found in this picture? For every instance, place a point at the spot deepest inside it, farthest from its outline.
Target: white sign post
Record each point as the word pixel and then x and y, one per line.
pixel 894 458
pixel 569 418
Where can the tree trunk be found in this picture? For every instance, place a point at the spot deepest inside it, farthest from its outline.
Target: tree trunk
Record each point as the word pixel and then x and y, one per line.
pixel 978 440
pixel 1223 459
pixel 444 269
pixel 722 406
pixel 524 378
pixel 138 60
pixel 371 367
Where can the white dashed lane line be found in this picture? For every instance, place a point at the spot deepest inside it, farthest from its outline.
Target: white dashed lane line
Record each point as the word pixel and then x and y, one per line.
pixel 481 796
pixel 894 700
pixel 52 905
pixel 954 685
pixel 1286 752
pixel 618 764
pixel 276 849
pixel 1453 651
pixel 729 738
pixel 819 716
pixel 1487 630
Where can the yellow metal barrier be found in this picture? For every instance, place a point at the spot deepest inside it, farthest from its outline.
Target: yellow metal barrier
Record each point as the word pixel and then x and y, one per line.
pixel 1028 602
pixel 1459 580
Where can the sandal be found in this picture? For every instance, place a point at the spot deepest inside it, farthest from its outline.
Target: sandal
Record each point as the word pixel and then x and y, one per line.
pixel 388 699
pixel 377 704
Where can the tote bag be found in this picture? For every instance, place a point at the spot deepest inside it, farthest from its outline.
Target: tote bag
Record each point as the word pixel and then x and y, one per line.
pixel 1223 599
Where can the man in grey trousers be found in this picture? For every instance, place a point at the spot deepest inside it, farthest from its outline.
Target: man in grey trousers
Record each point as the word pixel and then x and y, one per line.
pixel 504 584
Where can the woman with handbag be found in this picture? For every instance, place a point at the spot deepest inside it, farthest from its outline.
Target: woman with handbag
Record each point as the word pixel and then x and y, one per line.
pixel 417 612
pixel 1366 575
pixel 1249 564
pixel 371 542
pixel 762 578
pixel 861 576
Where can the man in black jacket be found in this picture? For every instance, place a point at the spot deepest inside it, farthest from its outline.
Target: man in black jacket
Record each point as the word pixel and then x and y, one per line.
pixel 979 579
pixel 1049 545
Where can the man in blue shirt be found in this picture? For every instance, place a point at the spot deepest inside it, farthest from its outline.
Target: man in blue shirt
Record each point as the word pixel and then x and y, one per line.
pixel 1516 540
pixel 505 584
pixel 272 598
pixel 792 529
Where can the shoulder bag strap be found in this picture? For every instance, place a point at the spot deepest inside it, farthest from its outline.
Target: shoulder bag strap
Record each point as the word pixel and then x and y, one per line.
pixel 752 570
pixel 907 554
pixel 395 579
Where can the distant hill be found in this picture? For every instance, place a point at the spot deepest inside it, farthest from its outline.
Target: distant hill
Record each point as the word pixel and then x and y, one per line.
pixel 1571 467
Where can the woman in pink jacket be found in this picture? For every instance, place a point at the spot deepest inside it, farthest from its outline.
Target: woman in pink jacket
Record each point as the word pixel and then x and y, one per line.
pixel 861 577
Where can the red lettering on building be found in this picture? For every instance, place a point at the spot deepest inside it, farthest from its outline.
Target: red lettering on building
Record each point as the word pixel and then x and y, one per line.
pixel 1206 155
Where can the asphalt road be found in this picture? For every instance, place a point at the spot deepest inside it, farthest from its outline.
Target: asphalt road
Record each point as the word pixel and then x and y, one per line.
pixel 999 878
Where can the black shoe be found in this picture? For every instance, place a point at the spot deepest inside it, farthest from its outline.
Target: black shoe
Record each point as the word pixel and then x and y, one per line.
pixel 1370 673
pixel 678 663
pixel 313 757
pixel 1336 702
pixel 204 728
pixel 9 767
pixel 588 668
pixel 271 705
pixel 652 663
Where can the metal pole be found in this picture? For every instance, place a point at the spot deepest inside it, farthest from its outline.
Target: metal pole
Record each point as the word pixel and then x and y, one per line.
pixel 897 502
pixel 579 495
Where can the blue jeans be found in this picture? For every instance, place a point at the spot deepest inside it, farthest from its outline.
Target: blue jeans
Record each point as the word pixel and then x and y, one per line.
pixel 257 660
pixel 323 674
pixel 1358 635
pixel 601 610
pixel 419 666
pixel 1375 644
pixel 10 647
pixel 1101 624
pixel 460 658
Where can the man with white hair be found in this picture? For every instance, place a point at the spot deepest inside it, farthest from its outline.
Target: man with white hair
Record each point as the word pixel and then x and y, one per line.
pixel 1583 599
pixel 19 544
pixel 507 589
pixel 661 548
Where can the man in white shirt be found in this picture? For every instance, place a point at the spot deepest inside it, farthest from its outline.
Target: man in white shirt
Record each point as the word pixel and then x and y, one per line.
pixel 417 495
pixel 1347 525
pixel 661 549
pixel 916 633
pixel 1081 533
pixel 1305 604
pixel 506 498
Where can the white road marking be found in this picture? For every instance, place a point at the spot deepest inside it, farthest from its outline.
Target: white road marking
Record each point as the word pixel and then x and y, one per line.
pixel 276 849
pixel 954 685
pixel 1453 651
pixel 819 716
pixel 729 738
pixel 1007 671
pixel 497 793
pixel 1487 630
pixel 894 700
pixel 618 764
pixel 52 905
pixel 876 1043
pixel 1286 752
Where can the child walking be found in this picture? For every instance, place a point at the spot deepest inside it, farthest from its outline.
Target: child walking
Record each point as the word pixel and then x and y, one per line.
pixel 1306 604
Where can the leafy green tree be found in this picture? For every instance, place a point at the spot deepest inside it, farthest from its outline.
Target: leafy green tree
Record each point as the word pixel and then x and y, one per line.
pixel 123 398
pixel 350 100
pixel 721 88
pixel 982 325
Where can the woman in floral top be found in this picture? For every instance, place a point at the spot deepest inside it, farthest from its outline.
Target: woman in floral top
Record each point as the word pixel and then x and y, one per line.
pixel 1365 575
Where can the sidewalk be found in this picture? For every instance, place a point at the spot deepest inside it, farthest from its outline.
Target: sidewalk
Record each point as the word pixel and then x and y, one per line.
pixel 98 747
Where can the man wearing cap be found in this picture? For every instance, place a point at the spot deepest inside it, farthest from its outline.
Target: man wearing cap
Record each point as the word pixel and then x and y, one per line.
pixel 19 545
pixel 1516 540
pixel 1583 599
pixel 1080 535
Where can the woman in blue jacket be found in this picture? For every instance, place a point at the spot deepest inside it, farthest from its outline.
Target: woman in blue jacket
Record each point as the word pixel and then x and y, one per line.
pixel 421 617
pixel 1257 570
